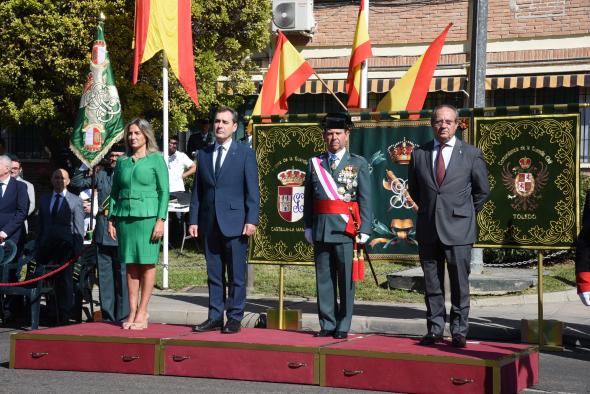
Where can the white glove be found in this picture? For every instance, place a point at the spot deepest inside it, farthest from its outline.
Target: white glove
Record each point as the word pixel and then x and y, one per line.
pixel 362 238
pixel 585 297
pixel 83 167
pixel 309 235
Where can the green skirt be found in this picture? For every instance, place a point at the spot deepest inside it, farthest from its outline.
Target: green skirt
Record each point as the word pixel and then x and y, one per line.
pixel 135 246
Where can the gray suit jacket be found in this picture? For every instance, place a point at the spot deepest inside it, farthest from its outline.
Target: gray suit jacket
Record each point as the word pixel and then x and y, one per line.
pixel 68 225
pixel 448 212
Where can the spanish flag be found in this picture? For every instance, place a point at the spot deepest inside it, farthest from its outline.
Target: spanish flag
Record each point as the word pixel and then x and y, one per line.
pixel 287 72
pixel 166 24
pixel 361 51
pixel 409 92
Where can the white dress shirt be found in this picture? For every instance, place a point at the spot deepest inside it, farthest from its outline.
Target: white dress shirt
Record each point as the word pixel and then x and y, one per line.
pixel 225 145
pixel 447 152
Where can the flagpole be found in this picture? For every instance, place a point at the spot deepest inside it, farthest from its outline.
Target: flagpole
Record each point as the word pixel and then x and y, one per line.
pixel 165 151
pixel 365 67
pixel 330 90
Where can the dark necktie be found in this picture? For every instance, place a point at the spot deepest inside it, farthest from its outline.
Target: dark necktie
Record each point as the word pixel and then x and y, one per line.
pixel 2 184
pixel 218 160
pixel 440 165
pixel 55 207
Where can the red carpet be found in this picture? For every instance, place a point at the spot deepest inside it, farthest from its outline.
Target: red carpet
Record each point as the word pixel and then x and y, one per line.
pixel 375 362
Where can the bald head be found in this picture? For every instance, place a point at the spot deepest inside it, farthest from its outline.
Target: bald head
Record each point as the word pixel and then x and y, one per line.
pixel 60 180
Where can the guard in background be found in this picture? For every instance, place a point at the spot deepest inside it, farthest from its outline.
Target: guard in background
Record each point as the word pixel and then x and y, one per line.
pixel 338 216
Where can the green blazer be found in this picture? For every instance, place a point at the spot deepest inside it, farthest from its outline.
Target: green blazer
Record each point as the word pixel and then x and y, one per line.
pixel 140 189
pixel 352 179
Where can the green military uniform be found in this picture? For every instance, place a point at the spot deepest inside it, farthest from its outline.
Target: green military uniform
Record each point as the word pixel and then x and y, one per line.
pixel 333 249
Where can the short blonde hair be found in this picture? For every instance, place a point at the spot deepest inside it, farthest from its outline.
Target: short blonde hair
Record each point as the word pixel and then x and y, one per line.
pixel 146 130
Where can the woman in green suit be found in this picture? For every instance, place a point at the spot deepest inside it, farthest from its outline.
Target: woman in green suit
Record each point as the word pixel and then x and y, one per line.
pixel 138 209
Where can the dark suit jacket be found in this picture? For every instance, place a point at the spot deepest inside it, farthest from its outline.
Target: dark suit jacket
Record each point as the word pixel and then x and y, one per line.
pixel 104 182
pixel 14 207
pixel 583 249
pixel 233 199
pixel 448 212
pixel 68 225
pixel 330 227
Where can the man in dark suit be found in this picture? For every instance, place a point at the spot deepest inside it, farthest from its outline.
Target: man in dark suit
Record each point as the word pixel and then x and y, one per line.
pixel 112 275
pixel 14 203
pixel 199 140
pixel 61 236
pixel 337 212
pixel 449 188
pixel 583 255
pixel 224 211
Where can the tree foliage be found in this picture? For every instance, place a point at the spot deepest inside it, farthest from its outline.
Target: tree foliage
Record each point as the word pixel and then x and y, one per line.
pixel 45 47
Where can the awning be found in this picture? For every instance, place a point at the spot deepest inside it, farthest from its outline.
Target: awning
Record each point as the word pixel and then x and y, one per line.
pixel 457 84
pixel 454 84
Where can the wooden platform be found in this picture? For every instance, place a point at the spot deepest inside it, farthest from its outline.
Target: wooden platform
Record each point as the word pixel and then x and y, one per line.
pixel 375 362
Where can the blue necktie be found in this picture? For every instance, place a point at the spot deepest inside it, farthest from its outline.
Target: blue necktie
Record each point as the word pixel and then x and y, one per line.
pixel 55 207
pixel 218 160
pixel 333 159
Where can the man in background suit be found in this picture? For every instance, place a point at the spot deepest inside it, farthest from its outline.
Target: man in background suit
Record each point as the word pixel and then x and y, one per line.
pixel 449 188
pixel 61 236
pixel 347 193
pixel 199 140
pixel 14 203
pixel 224 210
pixel 112 275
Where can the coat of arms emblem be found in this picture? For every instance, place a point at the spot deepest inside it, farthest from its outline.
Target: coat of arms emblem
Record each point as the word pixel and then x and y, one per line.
pixel 524 182
pixel 291 194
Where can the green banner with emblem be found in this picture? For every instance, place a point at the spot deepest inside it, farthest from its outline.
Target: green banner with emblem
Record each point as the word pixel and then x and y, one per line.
pixel 282 152
pixel 387 146
pixel 533 164
pixel 99 123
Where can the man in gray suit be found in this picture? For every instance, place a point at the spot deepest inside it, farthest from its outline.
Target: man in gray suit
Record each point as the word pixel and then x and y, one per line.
pixel 61 233
pixel 449 189
pixel 337 212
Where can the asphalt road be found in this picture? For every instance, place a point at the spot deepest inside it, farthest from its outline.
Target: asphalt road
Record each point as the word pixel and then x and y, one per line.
pixel 560 372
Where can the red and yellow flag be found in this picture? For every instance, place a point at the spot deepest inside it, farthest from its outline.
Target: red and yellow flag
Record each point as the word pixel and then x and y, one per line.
pixel 287 72
pixel 361 51
pixel 409 92
pixel 166 25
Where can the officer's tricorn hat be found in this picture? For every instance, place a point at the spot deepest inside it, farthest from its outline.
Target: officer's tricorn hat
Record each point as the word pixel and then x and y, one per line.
pixel 337 120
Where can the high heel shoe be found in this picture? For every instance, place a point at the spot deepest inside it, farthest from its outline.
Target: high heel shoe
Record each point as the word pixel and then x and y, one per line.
pixel 140 325
pixel 127 325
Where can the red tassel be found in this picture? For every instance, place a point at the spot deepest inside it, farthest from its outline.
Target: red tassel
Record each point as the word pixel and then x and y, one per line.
pixel 355 266
pixel 361 266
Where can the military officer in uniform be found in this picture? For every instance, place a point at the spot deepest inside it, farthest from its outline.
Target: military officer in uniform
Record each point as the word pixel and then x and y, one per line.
pixel 338 217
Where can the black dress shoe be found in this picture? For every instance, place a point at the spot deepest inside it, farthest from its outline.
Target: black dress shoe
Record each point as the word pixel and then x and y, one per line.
pixel 323 333
pixel 232 327
pixel 340 335
pixel 208 325
pixel 430 339
pixel 459 341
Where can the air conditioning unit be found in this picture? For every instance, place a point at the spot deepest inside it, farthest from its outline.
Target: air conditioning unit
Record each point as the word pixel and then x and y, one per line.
pixel 293 16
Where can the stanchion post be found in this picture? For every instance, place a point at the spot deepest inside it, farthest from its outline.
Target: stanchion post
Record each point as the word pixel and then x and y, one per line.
pixel 281 300
pixel 540 297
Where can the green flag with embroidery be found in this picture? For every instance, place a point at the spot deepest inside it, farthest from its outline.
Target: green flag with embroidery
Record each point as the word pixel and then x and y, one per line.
pixel 99 123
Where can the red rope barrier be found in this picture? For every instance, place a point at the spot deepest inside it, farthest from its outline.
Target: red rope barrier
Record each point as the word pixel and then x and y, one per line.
pixel 47 275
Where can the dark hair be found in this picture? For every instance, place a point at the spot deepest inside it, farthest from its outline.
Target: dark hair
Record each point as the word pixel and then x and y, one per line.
pixel 441 106
pixel 233 112
pixel 173 137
